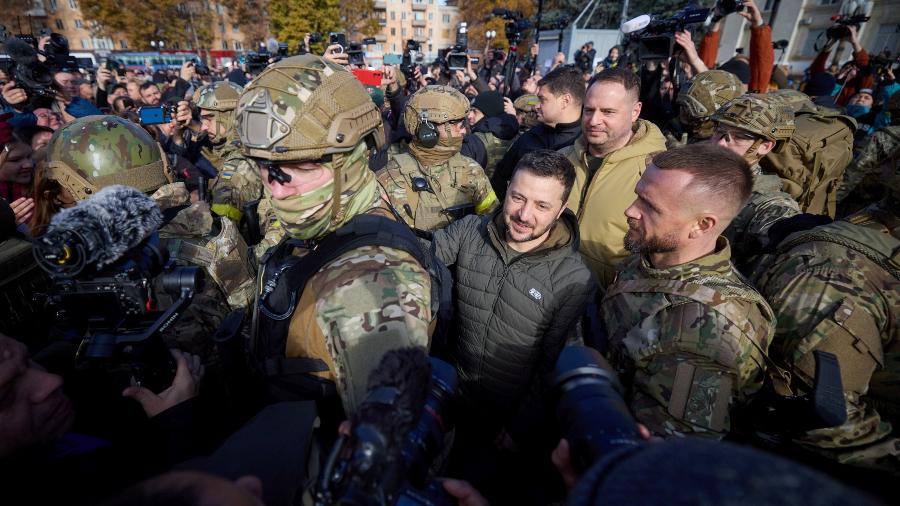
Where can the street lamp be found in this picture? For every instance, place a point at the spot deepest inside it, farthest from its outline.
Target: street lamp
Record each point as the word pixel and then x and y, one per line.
pixel 490 34
pixel 157 44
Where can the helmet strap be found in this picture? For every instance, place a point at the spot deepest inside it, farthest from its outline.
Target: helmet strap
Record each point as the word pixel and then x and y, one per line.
pixel 337 168
pixel 750 154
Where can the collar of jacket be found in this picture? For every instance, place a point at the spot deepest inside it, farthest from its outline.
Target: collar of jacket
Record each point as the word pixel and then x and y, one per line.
pixel 565 127
pixel 644 141
pixel 717 263
pixel 563 236
pixel 503 127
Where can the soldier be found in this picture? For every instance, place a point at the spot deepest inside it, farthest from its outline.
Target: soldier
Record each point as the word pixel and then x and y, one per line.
pixel 686 332
pixel 93 152
pixel 836 288
pixel 526 112
pixel 708 91
pixel 309 124
pixel 877 160
pixel 495 128
pixel 237 182
pixel 433 184
pixel 751 126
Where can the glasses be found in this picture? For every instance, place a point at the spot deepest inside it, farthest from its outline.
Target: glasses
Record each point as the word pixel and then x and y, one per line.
pixel 733 135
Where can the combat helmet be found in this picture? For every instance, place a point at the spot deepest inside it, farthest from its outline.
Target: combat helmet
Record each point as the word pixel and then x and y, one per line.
pixel 708 91
pixel 758 114
pixel 435 103
pixel 221 98
pixel 93 152
pixel 795 99
pixel 526 105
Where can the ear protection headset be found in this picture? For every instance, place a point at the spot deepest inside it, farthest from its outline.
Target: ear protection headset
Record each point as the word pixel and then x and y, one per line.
pixel 426 133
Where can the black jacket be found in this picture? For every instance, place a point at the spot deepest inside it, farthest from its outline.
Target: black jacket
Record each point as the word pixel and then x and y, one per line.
pixel 514 313
pixel 539 137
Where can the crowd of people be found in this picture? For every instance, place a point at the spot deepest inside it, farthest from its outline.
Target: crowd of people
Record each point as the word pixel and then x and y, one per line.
pixel 729 244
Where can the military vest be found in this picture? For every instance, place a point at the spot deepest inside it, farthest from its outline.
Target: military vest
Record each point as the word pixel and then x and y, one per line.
pixel 496 148
pixel 452 192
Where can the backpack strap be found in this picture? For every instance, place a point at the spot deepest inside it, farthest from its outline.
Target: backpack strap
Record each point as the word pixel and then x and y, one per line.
pixel 287 280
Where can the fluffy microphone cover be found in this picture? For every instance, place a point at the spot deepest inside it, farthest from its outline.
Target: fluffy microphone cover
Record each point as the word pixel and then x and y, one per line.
pixel 114 220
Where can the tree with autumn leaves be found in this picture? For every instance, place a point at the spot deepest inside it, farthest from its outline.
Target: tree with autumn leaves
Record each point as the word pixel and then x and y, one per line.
pixel 187 23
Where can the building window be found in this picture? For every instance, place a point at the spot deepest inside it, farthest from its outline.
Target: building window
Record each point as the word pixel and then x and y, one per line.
pixel 222 27
pixel 394 47
pixel 419 16
pixel 418 32
pixel 224 45
pixel 446 19
pixel 430 33
pixel 219 9
pixel 85 44
pixel 59 25
pixel 123 44
pixel 430 16
pixel 828 2
pixel 73 5
pixel 52 4
pixel 78 24
pixel 235 28
pixel 809 46
pixel 403 16
pixel 403 32
pixel 887 37
pixel 238 46
pixel 393 31
pixel 393 15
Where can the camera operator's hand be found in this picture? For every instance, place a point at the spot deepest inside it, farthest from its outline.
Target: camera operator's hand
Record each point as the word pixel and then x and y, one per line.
pixel 185 386
pixel 389 79
pixel 104 76
pixel 335 54
pixel 470 71
pixel 188 70
pixel 183 115
pixel 559 59
pixel 689 53
pixel 889 73
pixel 508 106
pixel 460 76
pixel 13 95
pixel 464 492
pixel 419 78
pixel 534 51
pixel 751 13
pixel 306 39
pixel 23 208
pixel 854 39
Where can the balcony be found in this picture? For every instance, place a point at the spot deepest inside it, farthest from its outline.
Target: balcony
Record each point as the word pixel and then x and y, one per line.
pixel 380 5
pixel 418 6
pixel 418 22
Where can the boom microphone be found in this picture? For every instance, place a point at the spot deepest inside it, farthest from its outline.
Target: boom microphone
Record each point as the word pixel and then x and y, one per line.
pixel 20 51
pixel 98 230
pixel 636 24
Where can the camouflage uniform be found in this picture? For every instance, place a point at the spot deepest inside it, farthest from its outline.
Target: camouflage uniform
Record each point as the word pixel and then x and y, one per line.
pixel 495 147
pixel 238 178
pixel 112 150
pixel 526 112
pixel 748 232
pixel 836 288
pixel 707 92
pixel 371 299
pixel 689 341
pixel 454 181
pixel 878 160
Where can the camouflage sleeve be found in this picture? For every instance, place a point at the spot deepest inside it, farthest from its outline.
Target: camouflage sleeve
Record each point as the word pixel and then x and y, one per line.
pixel 690 384
pixel 766 211
pixel 397 192
pixel 841 306
pixel 237 184
pixel 271 228
pixel 485 199
pixel 881 147
pixel 369 301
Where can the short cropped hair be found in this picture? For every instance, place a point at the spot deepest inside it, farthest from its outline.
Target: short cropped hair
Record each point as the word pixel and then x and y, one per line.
pixel 720 174
pixel 565 79
pixel 619 75
pixel 147 86
pixel 549 163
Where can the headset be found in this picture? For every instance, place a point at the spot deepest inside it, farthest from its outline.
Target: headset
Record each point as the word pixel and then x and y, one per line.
pixel 426 133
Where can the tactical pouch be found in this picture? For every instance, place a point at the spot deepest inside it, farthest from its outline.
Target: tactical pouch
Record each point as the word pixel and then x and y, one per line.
pixel 701 397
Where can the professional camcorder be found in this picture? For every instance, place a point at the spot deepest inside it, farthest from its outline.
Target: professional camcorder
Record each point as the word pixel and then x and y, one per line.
pixel 397 433
pixel 841 28
pixel 106 263
pixel 457 57
pixel 356 54
pixel 723 8
pixel 32 74
pixel 515 24
pixel 412 55
pixel 655 36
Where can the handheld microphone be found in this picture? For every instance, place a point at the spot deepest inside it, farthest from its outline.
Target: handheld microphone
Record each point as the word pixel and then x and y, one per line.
pixel 98 231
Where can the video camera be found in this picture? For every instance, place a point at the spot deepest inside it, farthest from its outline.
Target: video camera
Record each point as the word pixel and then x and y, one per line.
pixel 655 36
pixel 723 8
pixel 881 63
pixel 356 54
pixel 32 74
pixel 457 58
pixel 257 61
pixel 411 57
pixel 515 24
pixel 397 433
pixel 841 27
pixel 104 285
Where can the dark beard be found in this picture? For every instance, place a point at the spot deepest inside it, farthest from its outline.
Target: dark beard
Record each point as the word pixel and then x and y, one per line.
pixel 664 244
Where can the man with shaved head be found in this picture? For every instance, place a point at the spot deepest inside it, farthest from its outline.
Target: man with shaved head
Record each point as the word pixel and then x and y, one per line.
pixel 686 332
